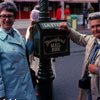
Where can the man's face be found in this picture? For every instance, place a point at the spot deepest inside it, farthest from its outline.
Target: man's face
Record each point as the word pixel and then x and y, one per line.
pixel 6 19
pixel 95 27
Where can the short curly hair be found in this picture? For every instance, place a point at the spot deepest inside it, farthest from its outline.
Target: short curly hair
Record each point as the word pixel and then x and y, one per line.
pixel 94 15
pixel 9 6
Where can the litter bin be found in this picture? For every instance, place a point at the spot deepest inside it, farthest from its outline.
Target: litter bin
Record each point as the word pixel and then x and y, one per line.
pixel 72 21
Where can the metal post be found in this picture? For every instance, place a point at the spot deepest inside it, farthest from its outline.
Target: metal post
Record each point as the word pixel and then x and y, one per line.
pixel 45 77
pixel 44 12
pixel 45 73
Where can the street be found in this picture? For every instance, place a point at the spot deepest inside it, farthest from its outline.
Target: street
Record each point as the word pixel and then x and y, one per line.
pixel 68 72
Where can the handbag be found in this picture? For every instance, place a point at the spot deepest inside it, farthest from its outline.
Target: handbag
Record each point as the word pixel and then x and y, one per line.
pixel 85 82
pixel 98 98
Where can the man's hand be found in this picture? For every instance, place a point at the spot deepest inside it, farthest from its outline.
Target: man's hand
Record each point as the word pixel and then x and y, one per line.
pixel 64 27
pixel 93 69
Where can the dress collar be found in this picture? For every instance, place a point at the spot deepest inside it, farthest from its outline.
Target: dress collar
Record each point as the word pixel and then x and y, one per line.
pixel 9 32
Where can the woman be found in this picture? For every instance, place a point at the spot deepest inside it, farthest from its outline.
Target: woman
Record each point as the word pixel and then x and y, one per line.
pixel 34 61
pixel 15 79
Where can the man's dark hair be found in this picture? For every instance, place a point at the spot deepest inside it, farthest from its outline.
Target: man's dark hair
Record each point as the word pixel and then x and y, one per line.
pixel 8 6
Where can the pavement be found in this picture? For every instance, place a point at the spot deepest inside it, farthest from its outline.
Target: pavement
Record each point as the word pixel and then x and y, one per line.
pixel 21 23
pixel 24 23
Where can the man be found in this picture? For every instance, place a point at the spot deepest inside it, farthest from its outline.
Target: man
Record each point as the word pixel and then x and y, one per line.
pixel 15 79
pixel 89 42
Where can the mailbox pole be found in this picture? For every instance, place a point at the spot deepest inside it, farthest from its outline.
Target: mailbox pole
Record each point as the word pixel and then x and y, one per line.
pixel 45 73
pixel 44 12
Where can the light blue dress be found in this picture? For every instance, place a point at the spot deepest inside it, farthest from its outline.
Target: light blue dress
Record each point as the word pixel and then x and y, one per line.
pixel 15 79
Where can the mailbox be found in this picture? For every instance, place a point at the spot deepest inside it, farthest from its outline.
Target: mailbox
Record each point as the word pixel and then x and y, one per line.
pixel 49 41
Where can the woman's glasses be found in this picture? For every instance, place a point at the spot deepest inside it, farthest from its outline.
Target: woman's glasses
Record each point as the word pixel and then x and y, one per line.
pixel 7 16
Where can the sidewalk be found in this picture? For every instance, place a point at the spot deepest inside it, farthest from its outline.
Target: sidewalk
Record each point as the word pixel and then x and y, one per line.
pixel 83 29
pixel 24 23
pixel 21 23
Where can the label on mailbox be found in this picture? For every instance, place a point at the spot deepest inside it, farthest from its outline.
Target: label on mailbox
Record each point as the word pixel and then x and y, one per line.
pixel 55 45
pixel 50 25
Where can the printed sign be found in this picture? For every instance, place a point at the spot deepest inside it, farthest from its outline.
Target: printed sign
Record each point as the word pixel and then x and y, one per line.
pixel 55 44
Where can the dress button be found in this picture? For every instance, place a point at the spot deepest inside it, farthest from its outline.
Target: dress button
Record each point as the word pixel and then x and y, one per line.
pixel 24 57
pixel 13 48
pixel 17 60
pixel 20 73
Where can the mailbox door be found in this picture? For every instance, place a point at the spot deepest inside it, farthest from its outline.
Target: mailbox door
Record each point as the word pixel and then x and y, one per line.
pixel 55 43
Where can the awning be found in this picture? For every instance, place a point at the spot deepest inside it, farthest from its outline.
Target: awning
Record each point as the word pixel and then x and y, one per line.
pixel 71 1
pixel 26 0
pixel 83 1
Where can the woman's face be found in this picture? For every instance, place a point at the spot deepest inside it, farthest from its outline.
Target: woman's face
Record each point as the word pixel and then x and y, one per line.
pixel 6 19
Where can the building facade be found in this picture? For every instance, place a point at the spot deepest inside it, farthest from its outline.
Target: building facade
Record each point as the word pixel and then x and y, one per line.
pixel 76 6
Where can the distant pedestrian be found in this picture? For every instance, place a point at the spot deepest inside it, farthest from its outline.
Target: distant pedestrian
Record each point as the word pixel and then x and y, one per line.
pixel 85 15
pixel 66 11
pixel 91 9
pixel 58 13
pixel 35 13
pixel 34 16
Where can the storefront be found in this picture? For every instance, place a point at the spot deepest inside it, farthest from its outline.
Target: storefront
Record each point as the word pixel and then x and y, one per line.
pixel 76 6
